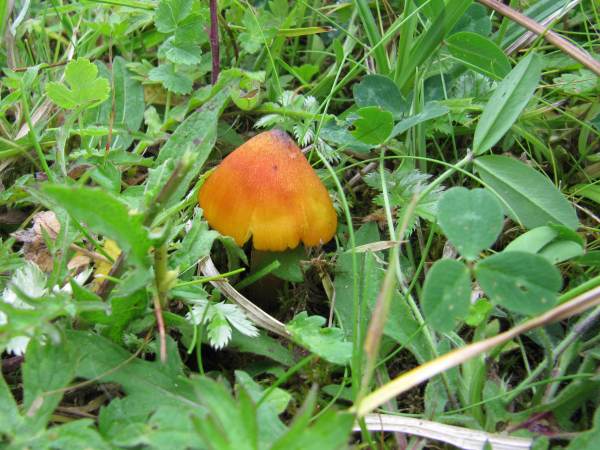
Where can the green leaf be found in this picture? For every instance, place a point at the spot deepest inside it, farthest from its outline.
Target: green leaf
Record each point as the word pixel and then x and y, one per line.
pixel 328 343
pixel 49 367
pixel 446 294
pixel 289 263
pixel 230 423
pixel 176 82
pixel 104 361
pixel 105 214
pixel 478 312
pixel 589 191
pixel 9 413
pixel 170 13
pixel 108 177
pixel 168 427
pixel 506 103
pixel 181 52
pixel 84 88
pixel 476 19
pixel 521 282
pixel 471 219
pixel 331 431
pixel 77 435
pixel 269 425
pixel 531 198
pixel 430 111
pixel 401 325
pixel 429 40
pixel 381 91
pixel 196 243
pixel 588 440
pixel 262 345
pixel 129 102
pixel 577 83
pixel 555 243
pixel 479 53
pixel 197 134
pixel 373 125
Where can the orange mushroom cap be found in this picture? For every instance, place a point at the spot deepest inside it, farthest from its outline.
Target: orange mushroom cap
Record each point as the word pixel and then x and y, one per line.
pixel 267 190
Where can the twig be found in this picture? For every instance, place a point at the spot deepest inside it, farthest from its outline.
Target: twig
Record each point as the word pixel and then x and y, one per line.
pixel 214 40
pixel 528 37
pixel 464 438
pixel 553 38
pixel 255 314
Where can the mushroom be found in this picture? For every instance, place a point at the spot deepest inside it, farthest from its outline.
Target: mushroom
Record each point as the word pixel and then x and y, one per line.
pixel 267 190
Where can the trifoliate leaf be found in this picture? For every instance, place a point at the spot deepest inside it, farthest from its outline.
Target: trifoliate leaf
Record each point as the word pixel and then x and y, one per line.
pixel 83 87
pixel 219 318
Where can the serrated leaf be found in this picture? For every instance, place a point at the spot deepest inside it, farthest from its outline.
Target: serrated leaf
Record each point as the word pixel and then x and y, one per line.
pixel 84 87
pixel 181 52
pixel 328 343
pixel 519 281
pixel 105 214
pixel 531 198
pixel 169 13
pixel 373 125
pixel 173 81
pixel 471 219
pixel 446 294
pixel 506 103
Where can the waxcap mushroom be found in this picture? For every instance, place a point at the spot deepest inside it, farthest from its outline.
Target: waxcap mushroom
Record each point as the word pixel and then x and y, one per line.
pixel 267 190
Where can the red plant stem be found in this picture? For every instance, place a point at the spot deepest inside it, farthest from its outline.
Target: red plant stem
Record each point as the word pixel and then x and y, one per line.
pixel 214 40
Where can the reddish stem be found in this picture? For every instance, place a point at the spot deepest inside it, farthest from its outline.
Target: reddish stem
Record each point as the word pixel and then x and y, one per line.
pixel 214 40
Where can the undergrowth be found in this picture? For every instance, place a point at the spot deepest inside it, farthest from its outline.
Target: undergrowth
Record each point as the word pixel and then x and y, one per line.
pixel 461 155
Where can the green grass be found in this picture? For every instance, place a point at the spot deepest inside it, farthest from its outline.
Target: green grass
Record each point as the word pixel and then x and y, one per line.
pixel 462 284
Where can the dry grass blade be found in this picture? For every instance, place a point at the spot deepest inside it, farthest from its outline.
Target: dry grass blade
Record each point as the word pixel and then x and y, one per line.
pixel 452 359
pixel 553 38
pixel 529 37
pixel 255 314
pixel 464 438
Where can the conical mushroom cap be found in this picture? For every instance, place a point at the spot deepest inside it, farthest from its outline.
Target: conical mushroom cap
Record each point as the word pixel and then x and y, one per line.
pixel 267 190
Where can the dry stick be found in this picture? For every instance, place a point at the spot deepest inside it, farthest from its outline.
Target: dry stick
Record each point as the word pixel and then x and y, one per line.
pixel 452 359
pixel 460 437
pixel 214 40
pixel 570 49
pixel 529 37
pixel 255 314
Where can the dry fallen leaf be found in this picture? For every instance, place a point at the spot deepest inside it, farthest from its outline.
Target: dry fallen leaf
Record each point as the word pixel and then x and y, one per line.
pixel 35 249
